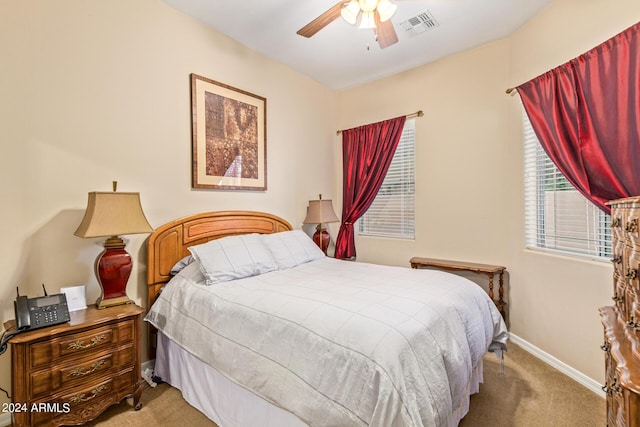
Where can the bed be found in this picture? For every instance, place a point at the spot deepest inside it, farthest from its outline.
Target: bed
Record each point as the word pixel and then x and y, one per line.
pixel 259 327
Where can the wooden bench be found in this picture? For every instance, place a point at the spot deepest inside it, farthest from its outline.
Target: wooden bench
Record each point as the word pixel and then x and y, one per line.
pixel 488 269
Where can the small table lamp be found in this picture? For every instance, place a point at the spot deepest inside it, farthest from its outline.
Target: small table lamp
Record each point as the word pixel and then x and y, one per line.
pixel 320 212
pixel 110 215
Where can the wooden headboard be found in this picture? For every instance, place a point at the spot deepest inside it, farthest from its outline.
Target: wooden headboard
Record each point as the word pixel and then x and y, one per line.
pixel 169 243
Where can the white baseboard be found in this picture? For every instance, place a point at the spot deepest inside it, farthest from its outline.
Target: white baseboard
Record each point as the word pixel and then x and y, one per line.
pixel 572 373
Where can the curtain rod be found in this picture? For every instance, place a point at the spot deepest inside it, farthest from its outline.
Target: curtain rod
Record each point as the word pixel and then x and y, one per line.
pixel 418 113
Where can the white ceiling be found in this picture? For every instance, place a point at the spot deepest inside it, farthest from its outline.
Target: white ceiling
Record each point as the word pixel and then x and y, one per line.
pixel 341 55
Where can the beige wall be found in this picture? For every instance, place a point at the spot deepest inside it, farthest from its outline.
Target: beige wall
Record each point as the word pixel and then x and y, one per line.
pixel 460 154
pixel 469 177
pixel 95 91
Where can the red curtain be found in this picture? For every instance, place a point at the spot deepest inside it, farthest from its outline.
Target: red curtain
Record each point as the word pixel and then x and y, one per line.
pixel 585 114
pixel 367 152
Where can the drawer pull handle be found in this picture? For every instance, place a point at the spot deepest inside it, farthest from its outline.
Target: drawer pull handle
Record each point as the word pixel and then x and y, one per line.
pixel 79 345
pixel 617 259
pixel 617 389
pixel 631 225
pixel 611 388
pixel 633 324
pixel 80 372
pixel 94 393
pixel 615 222
pixel 605 347
pixel 631 274
pixel 618 298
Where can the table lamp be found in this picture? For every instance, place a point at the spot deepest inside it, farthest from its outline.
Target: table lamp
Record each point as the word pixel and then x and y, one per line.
pixel 320 212
pixel 110 214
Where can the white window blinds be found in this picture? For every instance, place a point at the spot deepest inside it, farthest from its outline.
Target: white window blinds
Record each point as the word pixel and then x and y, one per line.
pixel 557 216
pixel 392 213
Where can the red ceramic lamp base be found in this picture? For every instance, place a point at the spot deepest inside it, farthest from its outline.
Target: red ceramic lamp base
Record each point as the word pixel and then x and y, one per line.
pixel 321 237
pixel 113 268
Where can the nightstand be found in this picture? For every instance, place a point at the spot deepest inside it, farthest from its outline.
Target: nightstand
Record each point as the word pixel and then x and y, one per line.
pixel 69 374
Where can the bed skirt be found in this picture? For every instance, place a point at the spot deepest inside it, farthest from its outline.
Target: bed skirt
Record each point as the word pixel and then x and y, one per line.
pixel 219 398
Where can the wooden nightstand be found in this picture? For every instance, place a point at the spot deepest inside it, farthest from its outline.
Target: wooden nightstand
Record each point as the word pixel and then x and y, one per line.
pixel 68 374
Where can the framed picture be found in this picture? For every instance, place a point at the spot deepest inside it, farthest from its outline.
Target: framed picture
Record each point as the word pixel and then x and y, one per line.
pixel 229 134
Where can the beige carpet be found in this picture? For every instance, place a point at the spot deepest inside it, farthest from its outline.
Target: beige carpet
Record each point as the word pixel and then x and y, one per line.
pixel 531 393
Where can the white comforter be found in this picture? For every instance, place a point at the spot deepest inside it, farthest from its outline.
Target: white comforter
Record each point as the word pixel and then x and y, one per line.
pixel 340 343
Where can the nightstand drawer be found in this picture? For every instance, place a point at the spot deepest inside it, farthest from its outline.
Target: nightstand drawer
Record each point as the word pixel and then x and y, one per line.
pixel 43 353
pixel 90 399
pixel 48 381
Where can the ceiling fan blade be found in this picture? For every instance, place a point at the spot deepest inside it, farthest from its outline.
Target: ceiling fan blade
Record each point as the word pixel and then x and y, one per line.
pixel 385 32
pixel 321 21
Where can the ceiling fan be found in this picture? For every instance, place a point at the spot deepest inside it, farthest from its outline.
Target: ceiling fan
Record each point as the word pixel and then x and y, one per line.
pixel 373 14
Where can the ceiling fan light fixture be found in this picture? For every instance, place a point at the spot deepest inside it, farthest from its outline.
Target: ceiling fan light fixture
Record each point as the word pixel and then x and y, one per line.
pixel 350 12
pixel 367 20
pixel 368 5
pixel 386 9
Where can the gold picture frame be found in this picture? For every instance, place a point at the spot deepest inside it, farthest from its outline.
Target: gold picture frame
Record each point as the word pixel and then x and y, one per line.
pixel 229 137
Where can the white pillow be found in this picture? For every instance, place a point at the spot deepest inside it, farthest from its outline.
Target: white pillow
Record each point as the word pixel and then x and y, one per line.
pixel 180 265
pixel 233 258
pixel 291 248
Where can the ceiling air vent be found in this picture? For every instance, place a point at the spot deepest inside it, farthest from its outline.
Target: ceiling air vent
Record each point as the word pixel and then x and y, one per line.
pixel 419 24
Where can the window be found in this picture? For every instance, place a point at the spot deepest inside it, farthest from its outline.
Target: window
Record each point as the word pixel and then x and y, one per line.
pixel 557 216
pixel 392 213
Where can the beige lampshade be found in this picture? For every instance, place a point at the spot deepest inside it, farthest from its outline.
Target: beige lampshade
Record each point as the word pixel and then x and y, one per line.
pixel 113 214
pixel 320 212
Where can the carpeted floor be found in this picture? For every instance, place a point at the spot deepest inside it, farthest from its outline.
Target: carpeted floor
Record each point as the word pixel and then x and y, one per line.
pixel 531 393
